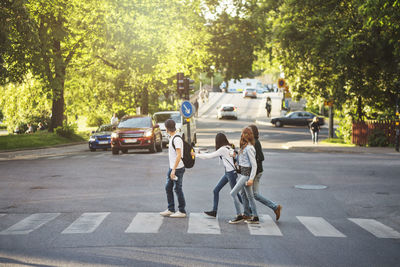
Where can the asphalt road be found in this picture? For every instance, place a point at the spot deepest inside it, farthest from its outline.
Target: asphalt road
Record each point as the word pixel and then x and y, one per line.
pixel 77 208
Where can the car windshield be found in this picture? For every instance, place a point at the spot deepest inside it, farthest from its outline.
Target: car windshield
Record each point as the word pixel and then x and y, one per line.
pixel 104 128
pixel 162 117
pixel 228 108
pixel 137 122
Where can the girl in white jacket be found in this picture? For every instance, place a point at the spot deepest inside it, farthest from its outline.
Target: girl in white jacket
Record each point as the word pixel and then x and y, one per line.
pixel 225 152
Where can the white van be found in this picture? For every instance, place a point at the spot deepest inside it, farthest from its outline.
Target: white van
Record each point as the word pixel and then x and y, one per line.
pixel 239 85
pixel 181 125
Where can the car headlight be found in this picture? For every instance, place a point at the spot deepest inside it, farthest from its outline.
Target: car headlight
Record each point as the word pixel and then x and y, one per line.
pixel 92 139
pixel 114 135
pixel 148 133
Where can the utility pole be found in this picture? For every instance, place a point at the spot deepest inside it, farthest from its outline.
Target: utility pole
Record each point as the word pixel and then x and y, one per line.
pixel 397 118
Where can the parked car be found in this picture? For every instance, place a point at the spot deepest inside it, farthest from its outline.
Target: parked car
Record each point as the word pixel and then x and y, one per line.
pixel 227 111
pixel 250 92
pixel 101 138
pixel 181 125
pixel 297 118
pixel 136 132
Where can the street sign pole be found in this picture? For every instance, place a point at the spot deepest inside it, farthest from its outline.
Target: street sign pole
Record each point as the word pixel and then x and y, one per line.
pixel 397 119
pixel 188 131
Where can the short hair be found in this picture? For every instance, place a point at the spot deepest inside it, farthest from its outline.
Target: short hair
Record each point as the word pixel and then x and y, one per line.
pixel 170 125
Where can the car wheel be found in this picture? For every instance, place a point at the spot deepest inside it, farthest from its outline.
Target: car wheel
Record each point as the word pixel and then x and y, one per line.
pixel 124 150
pixel 152 148
pixel 278 124
pixel 159 146
pixel 105 149
pixel 115 151
pixel 93 149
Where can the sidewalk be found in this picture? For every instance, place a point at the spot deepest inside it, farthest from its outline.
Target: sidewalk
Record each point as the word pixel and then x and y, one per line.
pixel 44 152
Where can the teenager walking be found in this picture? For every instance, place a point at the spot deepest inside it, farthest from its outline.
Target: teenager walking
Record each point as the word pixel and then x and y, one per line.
pixel 248 169
pixel 314 129
pixel 223 150
pixel 260 158
pixel 175 173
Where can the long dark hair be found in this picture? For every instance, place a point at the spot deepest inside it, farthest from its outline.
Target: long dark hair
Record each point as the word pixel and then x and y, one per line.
pixel 221 140
pixel 255 131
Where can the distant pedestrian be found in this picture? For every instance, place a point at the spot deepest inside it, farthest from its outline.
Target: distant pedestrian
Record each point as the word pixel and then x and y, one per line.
pixel 175 173
pixel 223 150
pixel 248 169
pixel 30 129
pixel 114 119
pixel 196 106
pixel 314 129
pixel 268 107
pixel 260 158
pixel 41 126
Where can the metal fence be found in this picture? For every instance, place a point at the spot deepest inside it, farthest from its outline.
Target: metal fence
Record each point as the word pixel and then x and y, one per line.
pixel 362 129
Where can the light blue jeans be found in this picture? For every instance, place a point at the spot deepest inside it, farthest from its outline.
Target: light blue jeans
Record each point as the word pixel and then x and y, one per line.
pixel 241 185
pixel 259 197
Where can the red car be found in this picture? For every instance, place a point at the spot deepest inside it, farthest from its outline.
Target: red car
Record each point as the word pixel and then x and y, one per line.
pixel 136 132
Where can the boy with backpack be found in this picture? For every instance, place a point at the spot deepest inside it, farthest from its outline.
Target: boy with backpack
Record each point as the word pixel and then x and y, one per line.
pixel 176 149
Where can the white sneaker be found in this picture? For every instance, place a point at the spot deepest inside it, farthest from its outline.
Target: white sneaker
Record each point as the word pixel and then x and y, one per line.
pixel 166 213
pixel 178 214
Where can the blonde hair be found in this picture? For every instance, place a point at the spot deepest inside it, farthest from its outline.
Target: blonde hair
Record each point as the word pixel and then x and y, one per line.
pixel 315 119
pixel 246 138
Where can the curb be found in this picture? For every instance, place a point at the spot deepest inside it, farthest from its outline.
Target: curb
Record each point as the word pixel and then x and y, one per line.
pixel 44 147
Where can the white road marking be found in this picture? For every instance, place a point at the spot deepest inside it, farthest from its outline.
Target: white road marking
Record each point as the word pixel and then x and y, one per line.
pixel 145 222
pixel 99 156
pixel 2 214
pixel 78 157
pixel 318 226
pixel 30 224
pixel 376 228
pixel 266 227
pixel 57 157
pixel 200 224
pixel 86 223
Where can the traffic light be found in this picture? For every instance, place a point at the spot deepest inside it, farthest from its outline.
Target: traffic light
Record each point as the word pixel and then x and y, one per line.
pixel 188 84
pixel 281 83
pixel 180 82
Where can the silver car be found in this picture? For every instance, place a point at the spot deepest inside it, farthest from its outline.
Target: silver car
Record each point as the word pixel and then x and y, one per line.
pixel 181 125
pixel 227 111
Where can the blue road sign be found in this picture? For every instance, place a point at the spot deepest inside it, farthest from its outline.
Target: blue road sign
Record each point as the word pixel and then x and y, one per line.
pixel 187 109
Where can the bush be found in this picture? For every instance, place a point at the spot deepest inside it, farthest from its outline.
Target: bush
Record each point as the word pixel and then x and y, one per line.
pixel 345 128
pixel 67 130
pixel 378 138
pixel 95 121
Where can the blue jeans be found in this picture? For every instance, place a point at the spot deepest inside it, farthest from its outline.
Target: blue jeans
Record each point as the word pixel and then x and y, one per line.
pixel 259 197
pixel 228 177
pixel 241 185
pixel 178 190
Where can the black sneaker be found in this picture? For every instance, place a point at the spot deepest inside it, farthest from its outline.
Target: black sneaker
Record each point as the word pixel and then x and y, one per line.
pixel 238 219
pixel 211 213
pixel 253 220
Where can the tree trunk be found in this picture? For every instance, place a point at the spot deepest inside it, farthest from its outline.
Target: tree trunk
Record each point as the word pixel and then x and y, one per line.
pixel 330 131
pixel 359 108
pixel 57 116
pixel 145 101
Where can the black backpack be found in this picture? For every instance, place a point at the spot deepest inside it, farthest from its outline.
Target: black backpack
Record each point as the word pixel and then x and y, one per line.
pixel 187 158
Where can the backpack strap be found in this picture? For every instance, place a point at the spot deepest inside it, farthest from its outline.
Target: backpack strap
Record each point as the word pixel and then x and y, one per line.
pixel 173 145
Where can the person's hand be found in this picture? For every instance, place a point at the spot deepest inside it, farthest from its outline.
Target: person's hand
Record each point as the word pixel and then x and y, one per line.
pixel 249 183
pixel 193 154
pixel 172 175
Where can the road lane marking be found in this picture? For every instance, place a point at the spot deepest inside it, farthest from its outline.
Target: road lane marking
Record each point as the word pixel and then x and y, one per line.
pixel 30 224
pixel 145 222
pixel 86 223
pixel 318 226
pixel 376 228
pixel 2 214
pixel 79 157
pixel 57 157
pixel 99 156
pixel 266 227
pixel 200 224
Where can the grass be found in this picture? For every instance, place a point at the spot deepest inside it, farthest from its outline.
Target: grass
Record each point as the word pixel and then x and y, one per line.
pixel 336 141
pixel 37 140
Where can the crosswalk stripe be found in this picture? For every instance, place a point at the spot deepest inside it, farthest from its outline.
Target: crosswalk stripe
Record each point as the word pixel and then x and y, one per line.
pixel 78 157
pixel 99 156
pixel 376 228
pixel 2 214
pixel 200 224
pixel 86 223
pixel 145 222
pixel 318 226
pixel 266 227
pixel 30 224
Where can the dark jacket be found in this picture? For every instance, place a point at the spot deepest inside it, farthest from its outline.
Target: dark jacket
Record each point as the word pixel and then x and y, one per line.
pixel 259 156
pixel 314 126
